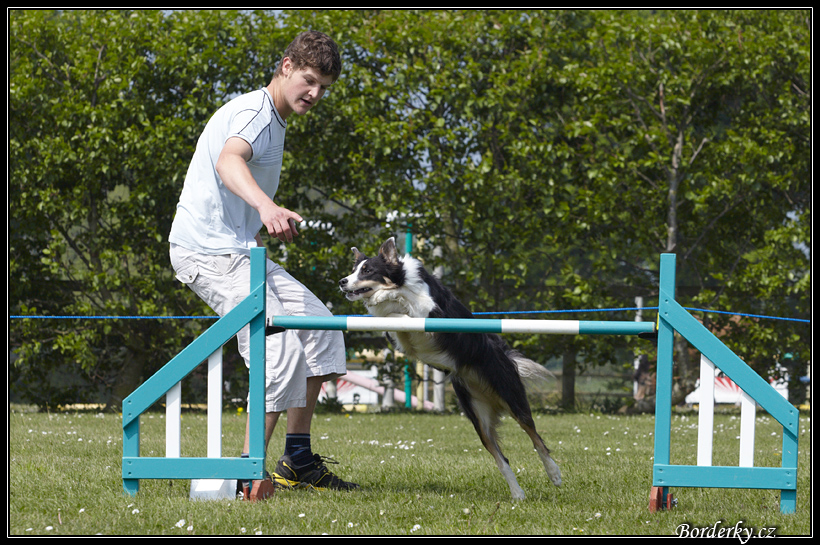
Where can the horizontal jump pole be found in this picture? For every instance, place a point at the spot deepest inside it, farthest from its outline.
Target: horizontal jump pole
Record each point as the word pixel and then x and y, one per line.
pixel 461 325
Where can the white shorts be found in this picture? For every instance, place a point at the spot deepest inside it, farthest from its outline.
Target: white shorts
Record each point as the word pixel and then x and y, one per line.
pixel 223 281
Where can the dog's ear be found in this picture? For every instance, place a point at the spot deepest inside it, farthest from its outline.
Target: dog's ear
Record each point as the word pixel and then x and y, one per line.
pixel 388 251
pixel 357 255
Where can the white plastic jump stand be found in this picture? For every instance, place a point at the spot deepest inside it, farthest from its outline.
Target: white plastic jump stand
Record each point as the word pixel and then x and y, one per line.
pixel 213 489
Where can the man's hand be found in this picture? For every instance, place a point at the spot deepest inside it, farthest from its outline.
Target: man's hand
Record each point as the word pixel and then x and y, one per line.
pixel 280 222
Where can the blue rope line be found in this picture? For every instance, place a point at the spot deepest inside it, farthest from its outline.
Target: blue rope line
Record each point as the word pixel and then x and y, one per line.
pixel 565 311
pixel 762 316
pixel 691 309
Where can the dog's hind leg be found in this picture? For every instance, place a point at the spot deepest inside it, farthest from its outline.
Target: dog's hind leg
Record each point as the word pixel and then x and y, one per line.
pixel 488 418
pixel 515 396
pixel 527 424
pixel 485 419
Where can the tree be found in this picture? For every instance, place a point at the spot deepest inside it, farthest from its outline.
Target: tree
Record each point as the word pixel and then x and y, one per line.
pixel 453 122
pixel 697 127
pixel 542 159
pixel 105 108
pixel 550 156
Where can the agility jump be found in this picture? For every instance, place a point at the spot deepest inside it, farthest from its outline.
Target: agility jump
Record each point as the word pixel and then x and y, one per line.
pixel 672 317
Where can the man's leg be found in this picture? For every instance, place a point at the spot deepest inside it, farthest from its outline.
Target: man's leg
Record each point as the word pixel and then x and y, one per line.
pixel 325 357
pixel 299 418
pixel 299 466
pixel 270 423
pixel 297 438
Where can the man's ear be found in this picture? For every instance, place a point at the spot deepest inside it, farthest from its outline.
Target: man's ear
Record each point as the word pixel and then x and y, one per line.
pixel 287 67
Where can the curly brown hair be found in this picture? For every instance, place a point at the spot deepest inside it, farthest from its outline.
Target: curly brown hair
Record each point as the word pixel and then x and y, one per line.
pixel 313 49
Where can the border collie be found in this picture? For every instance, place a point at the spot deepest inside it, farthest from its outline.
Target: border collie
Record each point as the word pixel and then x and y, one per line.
pixel 485 372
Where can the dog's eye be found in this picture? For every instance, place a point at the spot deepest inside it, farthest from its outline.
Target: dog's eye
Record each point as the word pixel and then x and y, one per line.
pixel 365 269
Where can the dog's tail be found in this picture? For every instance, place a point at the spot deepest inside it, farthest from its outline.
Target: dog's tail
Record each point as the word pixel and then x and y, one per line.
pixel 530 370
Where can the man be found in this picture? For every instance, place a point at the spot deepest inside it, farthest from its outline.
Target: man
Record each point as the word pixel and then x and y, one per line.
pixel 226 199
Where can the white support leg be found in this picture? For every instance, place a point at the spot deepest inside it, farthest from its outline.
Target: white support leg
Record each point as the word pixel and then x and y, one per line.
pixel 439 386
pixel 706 411
pixel 215 404
pixel 747 430
pixel 173 411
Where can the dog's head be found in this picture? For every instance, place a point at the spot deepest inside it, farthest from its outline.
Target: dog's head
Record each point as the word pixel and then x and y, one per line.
pixel 373 274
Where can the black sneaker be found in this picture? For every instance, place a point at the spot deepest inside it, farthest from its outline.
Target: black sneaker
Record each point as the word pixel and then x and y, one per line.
pixel 315 475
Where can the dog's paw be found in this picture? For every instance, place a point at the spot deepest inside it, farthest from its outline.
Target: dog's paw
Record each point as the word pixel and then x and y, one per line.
pixel 553 472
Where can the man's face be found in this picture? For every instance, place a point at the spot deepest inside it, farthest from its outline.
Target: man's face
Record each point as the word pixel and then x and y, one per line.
pixel 302 89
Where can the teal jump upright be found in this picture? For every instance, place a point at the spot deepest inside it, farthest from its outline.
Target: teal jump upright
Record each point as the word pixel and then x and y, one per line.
pixel 672 317
pixel 251 311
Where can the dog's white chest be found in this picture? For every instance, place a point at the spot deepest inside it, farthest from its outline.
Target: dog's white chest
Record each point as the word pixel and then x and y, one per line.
pixel 422 346
pixel 414 344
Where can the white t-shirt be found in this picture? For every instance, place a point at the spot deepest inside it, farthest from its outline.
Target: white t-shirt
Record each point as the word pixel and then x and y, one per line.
pixel 210 219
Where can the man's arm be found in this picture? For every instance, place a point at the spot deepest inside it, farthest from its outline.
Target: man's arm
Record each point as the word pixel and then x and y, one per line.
pixel 233 169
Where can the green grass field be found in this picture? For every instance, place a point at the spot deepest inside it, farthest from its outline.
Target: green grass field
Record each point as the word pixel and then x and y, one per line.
pixel 420 474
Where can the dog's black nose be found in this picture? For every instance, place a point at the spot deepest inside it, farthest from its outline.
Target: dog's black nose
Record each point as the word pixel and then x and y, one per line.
pixel 343 282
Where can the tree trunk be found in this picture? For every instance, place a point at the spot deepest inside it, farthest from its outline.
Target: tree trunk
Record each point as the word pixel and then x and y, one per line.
pixel 128 379
pixel 568 379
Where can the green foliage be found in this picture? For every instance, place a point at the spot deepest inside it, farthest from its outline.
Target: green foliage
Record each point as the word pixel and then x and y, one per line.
pixel 542 159
pixel 104 110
